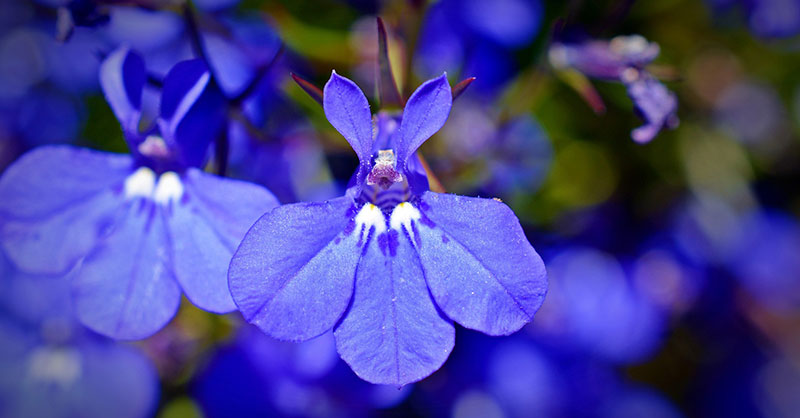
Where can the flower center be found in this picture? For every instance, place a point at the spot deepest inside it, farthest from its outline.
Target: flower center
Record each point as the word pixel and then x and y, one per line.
pixel 385 186
pixel 384 172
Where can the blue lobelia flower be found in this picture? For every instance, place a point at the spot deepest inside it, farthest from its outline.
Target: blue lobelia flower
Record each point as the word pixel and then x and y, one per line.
pixel 389 265
pixel 624 59
pixel 140 228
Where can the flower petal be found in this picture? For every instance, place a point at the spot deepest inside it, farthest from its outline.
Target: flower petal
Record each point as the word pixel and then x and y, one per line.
pixel 191 110
pixel 205 230
pixel 393 333
pixel 57 192
pixel 293 273
pixel 425 113
pixel 122 77
pixel 124 288
pixel 480 268
pixel 656 105
pixel 347 109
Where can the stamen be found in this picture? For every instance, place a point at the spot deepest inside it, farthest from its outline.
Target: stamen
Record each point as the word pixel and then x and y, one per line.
pixel 384 172
pixel 154 146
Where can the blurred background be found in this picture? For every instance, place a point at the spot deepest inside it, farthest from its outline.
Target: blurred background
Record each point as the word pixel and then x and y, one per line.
pixel 674 265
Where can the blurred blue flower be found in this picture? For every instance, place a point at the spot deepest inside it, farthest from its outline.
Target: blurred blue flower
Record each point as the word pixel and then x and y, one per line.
pixel 238 51
pixel 477 38
pixel 53 367
pixel 667 279
pixel 766 18
pixel 593 307
pixel 291 164
pixel 42 80
pixel 524 380
pixel 752 113
pixel 624 59
pixel 514 156
pixel 706 229
pixel 389 265
pixel 765 259
pixel 520 376
pixel 520 158
pixel 633 402
pixel 256 375
pixel 142 228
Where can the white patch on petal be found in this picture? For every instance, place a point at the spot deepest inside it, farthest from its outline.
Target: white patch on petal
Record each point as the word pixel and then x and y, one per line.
pixel 369 216
pixel 402 215
pixel 141 183
pixel 169 188
pixel 162 190
pixel 55 365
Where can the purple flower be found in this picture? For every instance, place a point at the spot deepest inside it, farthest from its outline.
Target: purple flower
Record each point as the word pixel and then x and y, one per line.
pixel 606 60
pixel 139 229
pixel 624 59
pixel 654 104
pixel 389 265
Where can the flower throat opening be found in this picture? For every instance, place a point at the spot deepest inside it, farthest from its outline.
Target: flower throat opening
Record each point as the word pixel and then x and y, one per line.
pixel 385 186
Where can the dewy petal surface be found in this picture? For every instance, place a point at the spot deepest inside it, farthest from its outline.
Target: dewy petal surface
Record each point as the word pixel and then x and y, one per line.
pixel 293 273
pixel 480 268
pixel 56 202
pixel 205 230
pixel 124 288
pixel 347 109
pixel 425 113
pixel 393 333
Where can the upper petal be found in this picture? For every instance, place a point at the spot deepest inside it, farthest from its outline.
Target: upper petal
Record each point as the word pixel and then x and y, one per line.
pixel 482 271
pixel 205 227
pixel 393 333
pixel 56 202
pixel 347 109
pixel 122 77
pixel 425 113
pixel 125 289
pixel 293 273
pixel 191 110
